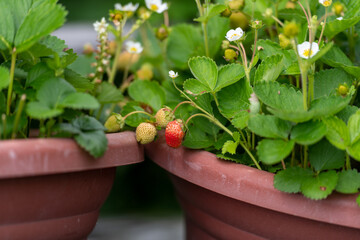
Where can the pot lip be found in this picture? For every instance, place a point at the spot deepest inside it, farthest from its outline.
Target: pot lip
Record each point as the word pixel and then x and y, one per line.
pixel 251 185
pixel 33 157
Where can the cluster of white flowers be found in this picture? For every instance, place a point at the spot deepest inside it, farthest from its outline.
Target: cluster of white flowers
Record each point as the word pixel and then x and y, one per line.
pixel 234 34
pixel 101 27
pixel 133 47
pixel 130 7
pixel 156 5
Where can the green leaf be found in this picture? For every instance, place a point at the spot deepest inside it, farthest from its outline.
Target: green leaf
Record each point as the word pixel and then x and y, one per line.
pixel 283 101
pixel 217 28
pixel 358 200
pixel 4 77
pixel 240 120
pixel 79 100
pixel 108 93
pixel 47 46
pixel 354 127
pixel 229 147
pixel 79 83
pixel 197 139
pixel 324 156
pixel 82 65
pixel 270 69
pixel 335 57
pixel 349 182
pixel 292 14
pixel 273 151
pixel 39 110
pixel 270 48
pixel 353 7
pixel 337 132
pixel 135 119
pixel 354 150
pixel 347 112
pixel 269 126
pixel 147 92
pixel 290 179
pixel 185 41
pixel 321 53
pixel 214 9
pixel 194 87
pixel 321 186
pixel 234 98
pixel 334 27
pixel 308 133
pixel 205 71
pixel 39 74
pixel 89 134
pixel 42 18
pixel 328 106
pixel 229 74
pixel 327 81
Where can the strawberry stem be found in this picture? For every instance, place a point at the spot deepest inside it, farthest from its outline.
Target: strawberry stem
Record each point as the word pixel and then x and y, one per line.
pixel 142 112
pixel 177 106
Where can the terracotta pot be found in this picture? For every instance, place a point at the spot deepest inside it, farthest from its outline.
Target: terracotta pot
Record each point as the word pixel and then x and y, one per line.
pixel 52 189
pixel 225 200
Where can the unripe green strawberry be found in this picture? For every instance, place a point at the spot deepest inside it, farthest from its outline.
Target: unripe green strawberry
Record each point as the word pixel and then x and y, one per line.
pixel 145 133
pixel 114 123
pixel 174 133
pixel 164 116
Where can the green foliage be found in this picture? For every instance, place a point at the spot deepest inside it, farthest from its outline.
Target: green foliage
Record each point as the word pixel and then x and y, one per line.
pixel 308 133
pixel 205 71
pixel 349 182
pixel 270 69
pixel 290 179
pixel 4 77
pixel 334 27
pixel 338 133
pixel 28 22
pixel 214 9
pixel 240 120
pixel 88 133
pixel 327 81
pixel 108 93
pixel 273 151
pixel 269 126
pixel 147 92
pixel 324 156
pixel 320 186
pixel 54 96
pixel 197 139
pixel 135 119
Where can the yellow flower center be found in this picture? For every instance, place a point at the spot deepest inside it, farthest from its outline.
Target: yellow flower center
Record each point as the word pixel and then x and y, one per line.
pixel 234 35
pixel 327 3
pixel 133 49
pixel 307 53
pixel 154 7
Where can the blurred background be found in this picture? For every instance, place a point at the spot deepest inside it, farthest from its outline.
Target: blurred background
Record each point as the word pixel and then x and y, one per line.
pixel 142 204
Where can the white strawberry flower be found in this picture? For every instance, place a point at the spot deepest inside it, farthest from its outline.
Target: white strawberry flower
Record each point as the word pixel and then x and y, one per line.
pixel 325 3
pixel 254 104
pixel 308 51
pixel 133 47
pixel 130 7
pixel 156 5
pixel 101 26
pixel 173 74
pixel 340 18
pixel 234 35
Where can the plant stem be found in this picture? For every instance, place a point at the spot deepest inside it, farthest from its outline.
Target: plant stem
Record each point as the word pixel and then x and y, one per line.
pixel 181 103
pixel 206 41
pixel 166 18
pixel 250 154
pixel 348 163
pixel 98 115
pixel 351 44
pixel 135 112
pixel 253 140
pixel 254 50
pixel 306 156
pixel 297 81
pixel 323 26
pixel 18 115
pixel 12 72
pixel 127 67
pixel 3 119
pixel 114 66
pixel 283 164
pixel 304 88
pixel 311 88
pixel 293 157
pixel 307 18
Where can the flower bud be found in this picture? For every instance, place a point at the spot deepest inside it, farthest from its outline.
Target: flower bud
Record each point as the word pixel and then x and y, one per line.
pixel 290 5
pixel 114 123
pixel 230 55
pixel 343 89
pixel 268 13
pixel 226 13
pixel 254 104
pixel 162 33
pixel 291 29
pixel 88 49
pixel 257 24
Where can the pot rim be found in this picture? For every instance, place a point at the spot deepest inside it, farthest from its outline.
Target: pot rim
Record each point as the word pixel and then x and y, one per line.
pixel 251 185
pixel 33 157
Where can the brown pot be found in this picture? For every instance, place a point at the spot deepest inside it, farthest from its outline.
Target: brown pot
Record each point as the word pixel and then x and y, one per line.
pixel 225 200
pixel 53 189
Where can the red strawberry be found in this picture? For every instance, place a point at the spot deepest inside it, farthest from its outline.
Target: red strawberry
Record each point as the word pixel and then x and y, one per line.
pixel 174 133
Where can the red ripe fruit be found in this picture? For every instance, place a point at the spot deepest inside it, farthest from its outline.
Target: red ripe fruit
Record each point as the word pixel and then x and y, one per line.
pixel 174 133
